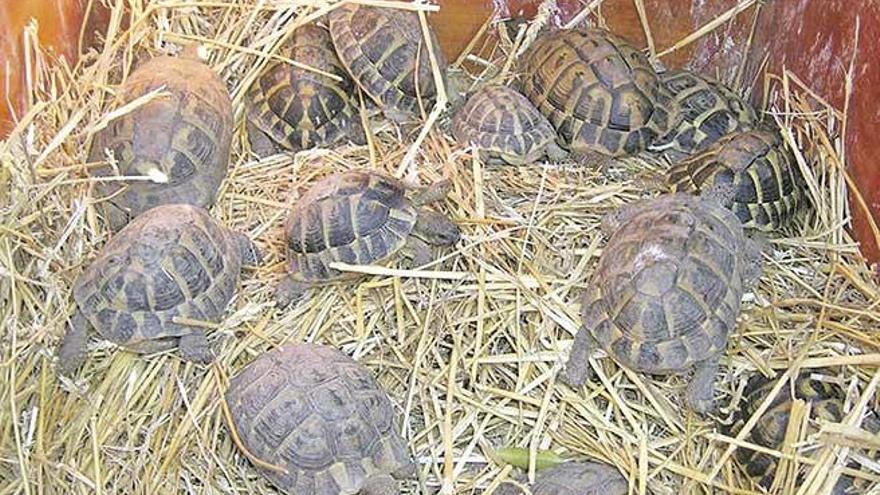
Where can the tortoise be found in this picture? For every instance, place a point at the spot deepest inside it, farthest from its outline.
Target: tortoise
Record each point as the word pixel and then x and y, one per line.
pixel 384 51
pixel 826 401
pixel 505 127
pixel 769 186
pixel 171 261
pixel 323 419
pixel 294 108
pixel 601 95
pixel 573 478
pixel 667 290
pixel 360 217
pixel 183 135
pixel 709 110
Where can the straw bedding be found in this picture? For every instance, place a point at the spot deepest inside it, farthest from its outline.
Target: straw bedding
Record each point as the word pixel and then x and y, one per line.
pixel 469 350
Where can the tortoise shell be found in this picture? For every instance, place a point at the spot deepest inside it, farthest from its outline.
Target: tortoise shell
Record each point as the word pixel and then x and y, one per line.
pixel 171 261
pixel 574 478
pixel 503 124
pixel 600 94
pixel 296 108
pixel 319 415
pixel 184 134
pixel 384 50
pixel 769 188
pixel 666 292
pixel 358 217
pixel 827 402
pixel 709 111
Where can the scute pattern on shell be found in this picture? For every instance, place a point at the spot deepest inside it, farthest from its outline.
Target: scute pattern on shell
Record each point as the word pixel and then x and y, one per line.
pixel 709 111
pixel 171 261
pixel 299 108
pixel 769 187
pixel 599 93
pixel 504 124
pixel 580 478
pixel 320 415
pixel 381 47
pixel 186 134
pixel 667 289
pixel 827 403
pixel 355 217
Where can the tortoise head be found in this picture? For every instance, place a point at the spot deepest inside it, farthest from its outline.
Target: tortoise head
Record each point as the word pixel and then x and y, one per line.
pixel 436 229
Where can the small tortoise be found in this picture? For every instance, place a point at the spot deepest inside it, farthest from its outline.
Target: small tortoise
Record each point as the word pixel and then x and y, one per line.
pixel 573 478
pixel 667 290
pixel 769 187
pixel 709 110
pixel 505 127
pixel 601 95
pixel 294 108
pixel 171 261
pixel 184 135
pixel 323 419
pixel 386 54
pixel 360 217
pixel 826 403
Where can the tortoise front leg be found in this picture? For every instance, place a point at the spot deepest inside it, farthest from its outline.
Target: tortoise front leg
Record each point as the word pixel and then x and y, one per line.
pixel 250 253
pixel 195 347
pixel 72 351
pixel 261 144
pixel 701 391
pixel 288 290
pixel 381 484
pixel 418 251
pixel 577 369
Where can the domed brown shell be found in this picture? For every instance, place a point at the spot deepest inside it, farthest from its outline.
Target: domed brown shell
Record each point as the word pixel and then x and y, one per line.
pixel 827 402
pixel 185 135
pixel 171 261
pixel 769 187
pixel 296 108
pixel 503 124
pixel 319 415
pixel 709 111
pixel 358 217
pixel 574 478
pixel 599 93
pixel 385 52
pixel 666 292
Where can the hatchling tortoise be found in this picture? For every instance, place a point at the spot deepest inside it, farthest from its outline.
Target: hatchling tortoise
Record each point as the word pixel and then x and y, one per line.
pixel 183 135
pixel 359 217
pixel 385 52
pixel 666 292
pixel 769 187
pixel 505 127
pixel 293 108
pixel 171 261
pixel 323 419
pixel 826 403
pixel 601 95
pixel 709 110
pixel 573 478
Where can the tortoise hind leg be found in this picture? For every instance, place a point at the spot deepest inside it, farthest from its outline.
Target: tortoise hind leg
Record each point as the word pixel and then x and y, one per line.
pixel 72 351
pixel 382 484
pixel 577 369
pixel 195 347
pixel 701 390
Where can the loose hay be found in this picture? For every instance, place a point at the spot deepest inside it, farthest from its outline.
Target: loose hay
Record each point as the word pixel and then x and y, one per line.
pixel 469 349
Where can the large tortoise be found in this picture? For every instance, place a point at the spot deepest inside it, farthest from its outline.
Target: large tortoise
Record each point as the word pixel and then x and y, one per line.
pixel 826 401
pixel 323 419
pixel 709 111
pixel 769 187
pixel 183 135
pixel 171 261
pixel 359 217
pixel 504 126
pixel 573 478
pixel 601 95
pixel 294 108
pixel 386 54
pixel 667 290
